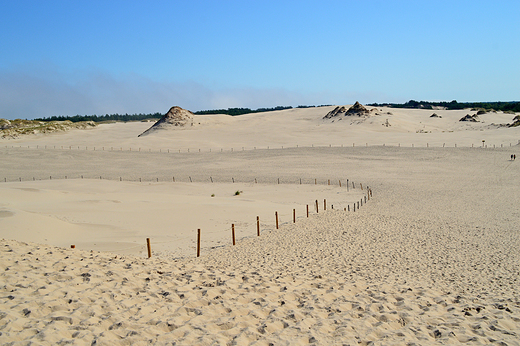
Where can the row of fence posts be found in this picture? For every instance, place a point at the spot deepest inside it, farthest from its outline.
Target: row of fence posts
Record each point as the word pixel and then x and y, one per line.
pixel 189 177
pixel 254 148
pixel 233 237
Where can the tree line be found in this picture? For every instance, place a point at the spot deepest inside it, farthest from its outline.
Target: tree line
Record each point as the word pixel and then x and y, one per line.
pixel 510 106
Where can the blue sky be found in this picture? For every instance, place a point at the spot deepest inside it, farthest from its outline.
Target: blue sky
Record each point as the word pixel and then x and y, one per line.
pixel 97 57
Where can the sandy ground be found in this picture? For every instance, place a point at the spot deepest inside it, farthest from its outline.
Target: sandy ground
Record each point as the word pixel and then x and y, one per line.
pixel 432 258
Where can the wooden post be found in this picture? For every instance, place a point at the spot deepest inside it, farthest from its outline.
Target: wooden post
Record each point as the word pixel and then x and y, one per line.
pixel 190 180
pixel 73 246
pixel 276 216
pixel 347 185
pixel 317 206
pixel 233 233
pixel 173 179
pixel 255 181
pixel 294 215
pixel 365 199
pixel 361 186
pixel 307 210
pixel 198 242
pixel 258 226
pixel 358 205
pixel 314 181
pixel 324 204
pixel 149 247
pixel 348 206
pixel 354 206
pixel 210 178
pixel 353 185
pixel 278 180
pixel 340 183
pixel 328 182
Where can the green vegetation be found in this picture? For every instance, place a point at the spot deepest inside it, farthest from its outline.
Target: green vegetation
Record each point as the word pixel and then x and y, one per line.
pixel 238 193
pixel 509 107
pixel 19 127
pixel 103 118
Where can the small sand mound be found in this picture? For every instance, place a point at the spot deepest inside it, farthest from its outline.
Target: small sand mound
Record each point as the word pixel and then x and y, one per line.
pixel 473 118
pixel 435 115
pixel 176 116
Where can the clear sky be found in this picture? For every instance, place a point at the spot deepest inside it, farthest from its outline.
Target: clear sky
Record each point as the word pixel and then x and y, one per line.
pixel 73 57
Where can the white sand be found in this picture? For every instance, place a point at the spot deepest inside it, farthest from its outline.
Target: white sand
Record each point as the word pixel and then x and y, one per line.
pixel 431 258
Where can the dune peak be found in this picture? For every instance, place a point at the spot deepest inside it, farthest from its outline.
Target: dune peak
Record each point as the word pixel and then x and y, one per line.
pixel 356 110
pixel 176 117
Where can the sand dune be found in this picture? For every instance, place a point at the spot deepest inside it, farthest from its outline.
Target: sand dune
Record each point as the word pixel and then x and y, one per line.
pixel 431 258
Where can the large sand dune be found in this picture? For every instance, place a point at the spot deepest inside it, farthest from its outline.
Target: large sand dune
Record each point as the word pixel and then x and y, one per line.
pixel 431 258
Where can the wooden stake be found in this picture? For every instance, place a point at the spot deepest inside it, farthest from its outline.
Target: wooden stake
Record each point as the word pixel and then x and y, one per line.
pixel 358 205
pixel 258 226
pixel 361 186
pixel 317 206
pixel 73 246
pixel 324 204
pixel 328 182
pixel 198 242
pixel 233 233
pixel 314 181
pixel 276 216
pixel 340 183
pixel 307 210
pixel 149 247
pixel 347 185
pixel 294 215
pixel 354 207
pixel 348 206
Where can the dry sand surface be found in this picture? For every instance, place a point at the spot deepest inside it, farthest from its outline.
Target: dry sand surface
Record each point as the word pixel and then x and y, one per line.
pixel 432 258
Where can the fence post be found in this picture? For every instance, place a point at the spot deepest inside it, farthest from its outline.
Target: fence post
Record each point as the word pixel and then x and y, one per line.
pixel 276 216
pixel 307 210
pixel 294 215
pixel 233 233
pixel 317 206
pixel 198 242
pixel 361 186
pixel 324 204
pixel 258 226
pixel 149 247
pixel 340 183
pixel 347 185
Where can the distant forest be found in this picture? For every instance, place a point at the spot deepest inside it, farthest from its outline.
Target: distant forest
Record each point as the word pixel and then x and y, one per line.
pixel 513 106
